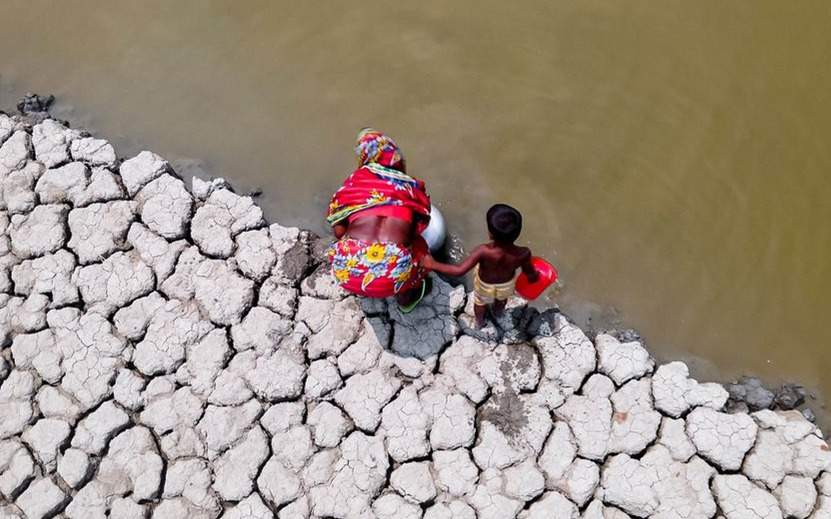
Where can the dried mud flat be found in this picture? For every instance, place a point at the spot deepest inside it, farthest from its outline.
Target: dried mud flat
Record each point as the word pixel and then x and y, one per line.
pixel 166 353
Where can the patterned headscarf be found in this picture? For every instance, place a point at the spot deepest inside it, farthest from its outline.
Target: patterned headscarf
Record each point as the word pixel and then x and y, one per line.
pixel 373 147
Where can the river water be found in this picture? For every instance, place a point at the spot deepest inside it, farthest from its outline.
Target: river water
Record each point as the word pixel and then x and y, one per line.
pixel 670 157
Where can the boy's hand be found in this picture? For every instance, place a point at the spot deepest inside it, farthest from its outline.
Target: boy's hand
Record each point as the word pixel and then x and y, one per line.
pixel 533 276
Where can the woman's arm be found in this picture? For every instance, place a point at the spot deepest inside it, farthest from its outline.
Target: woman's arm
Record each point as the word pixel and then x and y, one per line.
pixel 453 270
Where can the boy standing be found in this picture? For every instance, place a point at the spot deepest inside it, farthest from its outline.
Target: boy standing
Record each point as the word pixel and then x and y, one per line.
pixel 496 263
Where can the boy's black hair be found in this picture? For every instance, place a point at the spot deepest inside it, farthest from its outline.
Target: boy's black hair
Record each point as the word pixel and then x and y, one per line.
pixel 504 223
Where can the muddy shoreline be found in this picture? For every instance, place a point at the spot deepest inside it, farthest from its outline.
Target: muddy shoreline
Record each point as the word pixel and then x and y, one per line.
pixel 166 352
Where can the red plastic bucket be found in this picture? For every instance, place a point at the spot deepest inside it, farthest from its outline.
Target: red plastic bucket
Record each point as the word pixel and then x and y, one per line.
pixel 546 276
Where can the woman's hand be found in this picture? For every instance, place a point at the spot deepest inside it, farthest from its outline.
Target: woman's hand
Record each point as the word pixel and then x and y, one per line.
pixel 339 230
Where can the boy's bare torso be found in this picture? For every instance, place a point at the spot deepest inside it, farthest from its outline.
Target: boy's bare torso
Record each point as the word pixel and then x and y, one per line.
pixel 498 263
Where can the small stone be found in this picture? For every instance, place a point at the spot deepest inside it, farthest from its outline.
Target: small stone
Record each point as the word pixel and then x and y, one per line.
pixel 165 206
pixel 634 422
pixel 590 420
pixel 45 438
pixel 18 188
pixel 102 187
pixel 524 481
pixel 329 425
pixel 673 435
pixel 580 481
pixel 222 426
pixel 65 184
pixel 95 431
pixel 40 232
pixel 42 499
pixel 16 394
pixel 323 378
pixel 358 473
pixel 405 425
pixel 365 395
pixel 414 481
pixel 98 230
pixel 202 189
pixel 222 294
pixel 393 506
pixel 751 391
pixel 770 459
pixel 283 416
pixel 205 360
pixel 254 254
pixel 15 151
pixel 622 361
pixel 738 498
pixel 558 454
pixel 49 274
pixel 154 250
pixel 278 484
pixel 96 152
pixel 252 507
pixel 39 351
pixel 53 403
pixel 261 329
pixel 170 332
pixel 790 396
pixel 277 376
pixel 191 479
pixel 568 356
pixel 552 506
pixel 125 508
pixel 140 170
pixel 133 464
pixel 721 438
pixel 127 389
pixel 51 142
pixel 294 447
pixel 278 298
pixel 455 471
pixel 489 501
pixel 675 392
pixel 797 496
pixel 453 418
pixel 74 467
pixel 363 354
pixel 321 284
pixel 236 469
pixel 167 412
pixel 132 320
pixel 16 468
pixel 493 449
pixel 292 248
pixel 121 279
pixel 334 325
pixel 220 219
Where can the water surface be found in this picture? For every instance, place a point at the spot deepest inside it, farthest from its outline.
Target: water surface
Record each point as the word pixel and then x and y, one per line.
pixel 670 157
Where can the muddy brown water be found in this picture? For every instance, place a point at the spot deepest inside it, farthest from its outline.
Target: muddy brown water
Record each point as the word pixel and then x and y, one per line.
pixel 670 157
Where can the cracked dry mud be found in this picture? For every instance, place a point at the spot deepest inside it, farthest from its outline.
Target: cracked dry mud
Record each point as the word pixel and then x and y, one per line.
pixel 166 353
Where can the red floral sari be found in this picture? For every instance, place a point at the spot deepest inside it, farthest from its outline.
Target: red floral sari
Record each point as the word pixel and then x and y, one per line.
pixel 378 269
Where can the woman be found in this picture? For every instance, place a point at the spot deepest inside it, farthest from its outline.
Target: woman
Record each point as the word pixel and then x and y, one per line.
pixel 377 217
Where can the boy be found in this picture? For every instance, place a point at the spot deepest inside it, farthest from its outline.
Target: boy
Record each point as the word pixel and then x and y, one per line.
pixel 496 263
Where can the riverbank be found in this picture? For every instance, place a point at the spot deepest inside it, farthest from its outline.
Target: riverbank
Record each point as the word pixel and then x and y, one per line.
pixel 168 353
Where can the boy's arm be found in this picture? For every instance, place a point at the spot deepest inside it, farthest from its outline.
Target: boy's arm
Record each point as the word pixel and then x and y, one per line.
pixel 528 268
pixel 453 270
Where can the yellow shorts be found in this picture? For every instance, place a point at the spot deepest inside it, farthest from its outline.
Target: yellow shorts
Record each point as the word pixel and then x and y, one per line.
pixel 487 293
